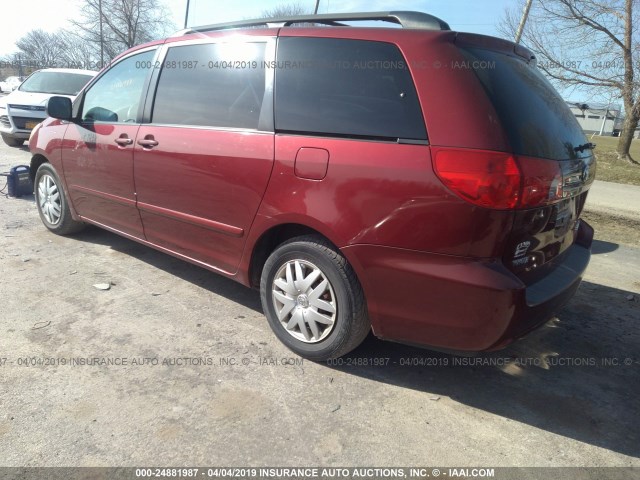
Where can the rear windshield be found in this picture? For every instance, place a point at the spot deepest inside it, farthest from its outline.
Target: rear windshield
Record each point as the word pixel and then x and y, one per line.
pixel 60 83
pixel 536 119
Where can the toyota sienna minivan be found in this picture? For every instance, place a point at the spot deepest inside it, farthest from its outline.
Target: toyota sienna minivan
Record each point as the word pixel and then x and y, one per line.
pixel 417 182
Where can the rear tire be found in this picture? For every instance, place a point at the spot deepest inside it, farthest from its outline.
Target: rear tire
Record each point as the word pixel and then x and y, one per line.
pixel 12 141
pixel 52 202
pixel 313 300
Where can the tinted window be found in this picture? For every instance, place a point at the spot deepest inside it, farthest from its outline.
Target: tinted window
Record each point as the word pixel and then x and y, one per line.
pixel 345 87
pixel 536 119
pixel 61 83
pixel 219 85
pixel 116 95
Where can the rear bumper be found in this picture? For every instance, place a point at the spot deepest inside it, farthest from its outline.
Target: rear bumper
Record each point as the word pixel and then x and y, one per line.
pixel 459 303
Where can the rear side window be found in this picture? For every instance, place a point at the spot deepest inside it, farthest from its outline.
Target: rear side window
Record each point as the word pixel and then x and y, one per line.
pixel 534 116
pixel 216 85
pixel 350 88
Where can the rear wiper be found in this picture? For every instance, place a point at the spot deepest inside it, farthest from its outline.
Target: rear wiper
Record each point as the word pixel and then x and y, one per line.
pixel 586 146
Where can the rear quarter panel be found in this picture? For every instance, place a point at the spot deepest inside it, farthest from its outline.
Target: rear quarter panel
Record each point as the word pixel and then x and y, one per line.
pixel 374 193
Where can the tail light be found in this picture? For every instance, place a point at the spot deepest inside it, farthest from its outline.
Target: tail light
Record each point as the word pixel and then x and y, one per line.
pixel 541 181
pixel 499 180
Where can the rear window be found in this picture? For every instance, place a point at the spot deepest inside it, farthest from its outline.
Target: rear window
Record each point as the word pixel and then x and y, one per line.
pixel 60 83
pixel 535 117
pixel 349 88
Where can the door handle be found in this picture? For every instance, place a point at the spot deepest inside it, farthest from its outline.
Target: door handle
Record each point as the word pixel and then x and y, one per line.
pixel 148 142
pixel 123 140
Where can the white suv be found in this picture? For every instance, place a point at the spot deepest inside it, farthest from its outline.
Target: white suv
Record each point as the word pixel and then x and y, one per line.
pixel 24 108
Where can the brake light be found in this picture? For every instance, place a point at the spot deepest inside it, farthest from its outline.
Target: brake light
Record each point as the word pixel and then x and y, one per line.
pixel 542 182
pixel 488 179
pixel 499 180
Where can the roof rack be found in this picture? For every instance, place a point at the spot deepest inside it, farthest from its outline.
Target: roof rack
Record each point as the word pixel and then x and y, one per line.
pixel 417 20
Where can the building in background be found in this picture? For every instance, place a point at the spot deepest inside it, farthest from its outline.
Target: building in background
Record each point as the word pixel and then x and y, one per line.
pixel 591 117
pixel 601 119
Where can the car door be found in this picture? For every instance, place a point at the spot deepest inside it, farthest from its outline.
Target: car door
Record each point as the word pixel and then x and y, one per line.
pixel 97 151
pixel 203 161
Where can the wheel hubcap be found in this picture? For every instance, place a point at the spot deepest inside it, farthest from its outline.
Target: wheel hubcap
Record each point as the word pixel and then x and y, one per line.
pixel 304 301
pixel 49 199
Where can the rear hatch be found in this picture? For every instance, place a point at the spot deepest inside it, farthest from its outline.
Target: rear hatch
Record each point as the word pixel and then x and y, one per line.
pixel 554 157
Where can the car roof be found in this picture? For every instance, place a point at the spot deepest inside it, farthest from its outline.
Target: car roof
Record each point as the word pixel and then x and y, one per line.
pixel 405 19
pixel 412 24
pixel 390 35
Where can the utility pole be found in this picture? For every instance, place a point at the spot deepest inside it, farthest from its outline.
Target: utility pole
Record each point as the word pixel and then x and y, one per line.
pixel 523 20
pixel 19 57
pixel 315 11
pixel 186 15
pixel 604 120
pixel 101 35
pixel 606 114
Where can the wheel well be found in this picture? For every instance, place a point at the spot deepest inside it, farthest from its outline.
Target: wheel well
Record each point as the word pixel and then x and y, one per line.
pixel 269 241
pixel 36 161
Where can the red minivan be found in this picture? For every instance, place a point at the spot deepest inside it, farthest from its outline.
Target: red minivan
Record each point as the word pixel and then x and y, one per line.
pixel 418 182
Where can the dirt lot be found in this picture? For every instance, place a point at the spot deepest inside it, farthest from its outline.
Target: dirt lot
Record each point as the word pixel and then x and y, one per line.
pixel 623 230
pixel 197 378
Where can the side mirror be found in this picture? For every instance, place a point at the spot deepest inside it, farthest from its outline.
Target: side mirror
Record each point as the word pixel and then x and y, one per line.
pixel 99 114
pixel 59 107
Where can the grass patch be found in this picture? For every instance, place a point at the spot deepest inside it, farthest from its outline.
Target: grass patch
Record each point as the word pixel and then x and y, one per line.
pixel 609 168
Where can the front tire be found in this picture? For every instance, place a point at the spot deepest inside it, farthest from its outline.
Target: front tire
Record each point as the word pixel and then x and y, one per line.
pixel 12 141
pixel 52 202
pixel 313 300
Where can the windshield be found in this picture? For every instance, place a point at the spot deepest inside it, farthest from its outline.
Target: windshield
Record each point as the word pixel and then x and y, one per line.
pixel 534 115
pixel 61 83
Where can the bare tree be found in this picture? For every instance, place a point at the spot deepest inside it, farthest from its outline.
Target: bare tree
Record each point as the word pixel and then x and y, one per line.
pixel 125 23
pixel 285 10
pixel 588 44
pixel 77 52
pixel 41 49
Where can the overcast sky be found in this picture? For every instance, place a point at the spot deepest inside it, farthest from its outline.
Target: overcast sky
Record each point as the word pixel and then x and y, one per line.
pixel 479 16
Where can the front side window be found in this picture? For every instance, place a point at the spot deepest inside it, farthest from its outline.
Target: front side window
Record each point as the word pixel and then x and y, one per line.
pixel 214 85
pixel 346 88
pixel 116 95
